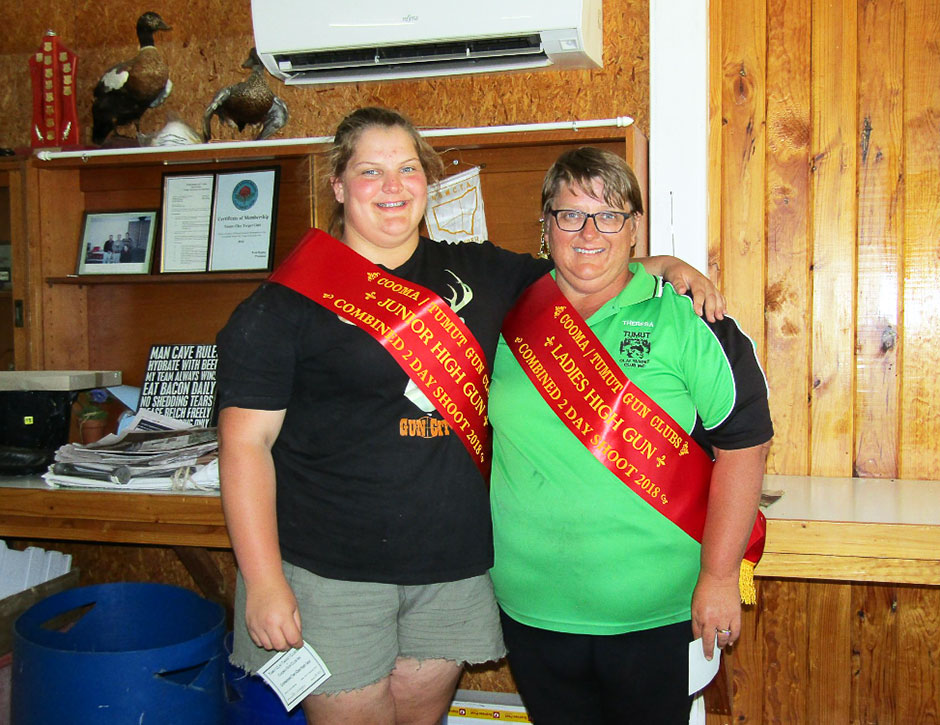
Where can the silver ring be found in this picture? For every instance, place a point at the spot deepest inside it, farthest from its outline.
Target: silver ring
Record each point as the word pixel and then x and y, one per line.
pixel 726 632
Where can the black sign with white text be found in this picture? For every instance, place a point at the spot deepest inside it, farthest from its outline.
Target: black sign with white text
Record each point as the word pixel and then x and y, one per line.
pixel 180 382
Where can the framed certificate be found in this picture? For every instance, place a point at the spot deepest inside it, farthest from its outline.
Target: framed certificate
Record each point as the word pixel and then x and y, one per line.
pixel 222 222
pixel 117 242
pixel 187 204
pixel 243 220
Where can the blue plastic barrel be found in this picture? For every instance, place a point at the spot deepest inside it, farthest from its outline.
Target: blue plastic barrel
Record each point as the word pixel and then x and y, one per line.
pixel 124 653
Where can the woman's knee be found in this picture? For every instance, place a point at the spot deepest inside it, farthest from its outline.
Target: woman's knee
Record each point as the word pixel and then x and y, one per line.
pixel 422 690
pixel 369 705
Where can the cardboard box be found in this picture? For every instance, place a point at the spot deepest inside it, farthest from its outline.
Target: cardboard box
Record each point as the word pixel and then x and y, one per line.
pixel 476 706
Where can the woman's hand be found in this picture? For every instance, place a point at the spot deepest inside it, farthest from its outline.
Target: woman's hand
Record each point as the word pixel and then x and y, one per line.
pixel 272 616
pixel 716 609
pixel 705 295
pixel 686 278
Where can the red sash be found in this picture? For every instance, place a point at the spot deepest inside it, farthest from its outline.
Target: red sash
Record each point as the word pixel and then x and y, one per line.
pixel 415 326
pixel 618 423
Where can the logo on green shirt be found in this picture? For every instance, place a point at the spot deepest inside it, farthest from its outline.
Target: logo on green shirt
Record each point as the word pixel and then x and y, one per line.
pixel 635 346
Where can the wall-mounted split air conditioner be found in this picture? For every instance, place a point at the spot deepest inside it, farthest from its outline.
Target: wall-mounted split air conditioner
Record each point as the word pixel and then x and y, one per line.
pixel 368 40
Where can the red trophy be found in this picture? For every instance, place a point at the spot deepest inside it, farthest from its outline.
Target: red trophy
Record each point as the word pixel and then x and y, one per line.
pixel 55 118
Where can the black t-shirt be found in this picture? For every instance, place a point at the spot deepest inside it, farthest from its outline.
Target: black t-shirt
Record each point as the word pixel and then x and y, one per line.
pixel 370 486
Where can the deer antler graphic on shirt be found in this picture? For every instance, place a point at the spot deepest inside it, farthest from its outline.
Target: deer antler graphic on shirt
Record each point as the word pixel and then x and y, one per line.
pixel 464 296
pixel 460 298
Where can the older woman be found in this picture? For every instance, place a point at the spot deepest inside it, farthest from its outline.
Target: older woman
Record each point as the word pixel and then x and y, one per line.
pixel 352 479
pixel 616 543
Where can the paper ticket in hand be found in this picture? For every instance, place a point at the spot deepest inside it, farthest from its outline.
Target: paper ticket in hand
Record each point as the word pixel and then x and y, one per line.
pixel 701 670
pixel 294 674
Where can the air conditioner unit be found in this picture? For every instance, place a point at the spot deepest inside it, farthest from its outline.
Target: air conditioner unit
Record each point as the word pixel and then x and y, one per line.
pixel 325 41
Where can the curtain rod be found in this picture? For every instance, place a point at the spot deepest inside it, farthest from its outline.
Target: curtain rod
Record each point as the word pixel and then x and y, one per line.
pixel 619 122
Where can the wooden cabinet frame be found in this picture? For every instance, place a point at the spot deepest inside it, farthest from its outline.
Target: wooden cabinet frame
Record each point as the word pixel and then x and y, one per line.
pixel 109 322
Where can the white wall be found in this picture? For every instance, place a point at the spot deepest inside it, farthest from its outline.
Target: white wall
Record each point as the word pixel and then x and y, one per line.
pixel 678 143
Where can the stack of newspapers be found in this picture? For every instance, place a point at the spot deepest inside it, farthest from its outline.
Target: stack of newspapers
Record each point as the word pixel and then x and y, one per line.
pixel 152 453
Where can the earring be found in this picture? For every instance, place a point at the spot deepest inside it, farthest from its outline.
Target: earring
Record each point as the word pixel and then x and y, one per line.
pixel 544 251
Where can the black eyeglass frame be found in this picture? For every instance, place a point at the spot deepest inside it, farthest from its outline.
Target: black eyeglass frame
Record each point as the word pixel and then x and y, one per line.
pixel 625 216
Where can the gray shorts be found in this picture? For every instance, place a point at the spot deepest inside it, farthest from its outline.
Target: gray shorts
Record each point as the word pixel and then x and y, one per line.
pixel 361 628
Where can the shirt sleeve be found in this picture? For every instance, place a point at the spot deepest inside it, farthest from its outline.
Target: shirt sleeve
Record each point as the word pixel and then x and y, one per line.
pixel 257 350
pixel 729 387
pixel 517 269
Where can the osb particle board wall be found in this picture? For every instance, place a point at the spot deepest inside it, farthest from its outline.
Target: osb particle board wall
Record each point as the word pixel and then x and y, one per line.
pixel 210 39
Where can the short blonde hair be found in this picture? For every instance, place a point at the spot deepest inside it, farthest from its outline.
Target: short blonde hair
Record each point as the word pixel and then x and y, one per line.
pixel 583 166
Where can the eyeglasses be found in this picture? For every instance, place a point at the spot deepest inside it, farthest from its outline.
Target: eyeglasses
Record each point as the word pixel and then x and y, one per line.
pixel 572 220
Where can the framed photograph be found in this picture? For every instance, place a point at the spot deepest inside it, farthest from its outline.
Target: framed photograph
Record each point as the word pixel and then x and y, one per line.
pixel 243 220
pixel 117 242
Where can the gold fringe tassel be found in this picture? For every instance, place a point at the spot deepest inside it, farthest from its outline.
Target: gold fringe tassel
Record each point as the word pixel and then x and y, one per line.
pixel 746 583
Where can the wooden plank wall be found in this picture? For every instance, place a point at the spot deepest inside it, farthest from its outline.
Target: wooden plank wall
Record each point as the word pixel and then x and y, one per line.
pixel 825 218
pixel 829 207
pixel 827 204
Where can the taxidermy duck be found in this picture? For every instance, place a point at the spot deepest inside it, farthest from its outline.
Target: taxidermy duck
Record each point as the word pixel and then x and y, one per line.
pixel 134 85
pixel 248 103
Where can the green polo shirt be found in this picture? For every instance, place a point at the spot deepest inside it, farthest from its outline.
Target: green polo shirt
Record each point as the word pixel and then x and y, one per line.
pixel 576 550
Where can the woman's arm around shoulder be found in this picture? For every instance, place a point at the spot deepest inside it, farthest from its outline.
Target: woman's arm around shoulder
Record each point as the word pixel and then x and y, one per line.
pixel 706 299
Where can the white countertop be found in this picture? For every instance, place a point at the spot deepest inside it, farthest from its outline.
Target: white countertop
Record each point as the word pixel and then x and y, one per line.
pixel 23 482
pixel 854 500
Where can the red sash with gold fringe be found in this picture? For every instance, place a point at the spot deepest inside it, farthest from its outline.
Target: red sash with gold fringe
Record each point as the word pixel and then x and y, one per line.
pixel 416 327
pixel 618 423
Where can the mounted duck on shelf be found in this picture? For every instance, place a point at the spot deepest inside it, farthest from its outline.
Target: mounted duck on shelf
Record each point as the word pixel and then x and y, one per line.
pixel 249 103
pixel 131 87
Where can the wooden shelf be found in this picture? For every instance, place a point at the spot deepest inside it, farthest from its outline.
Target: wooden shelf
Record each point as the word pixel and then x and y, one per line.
pixel 211 153
pixel 110 321
pixel 167 278
pixel 166 519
